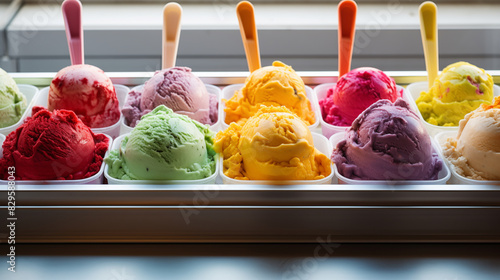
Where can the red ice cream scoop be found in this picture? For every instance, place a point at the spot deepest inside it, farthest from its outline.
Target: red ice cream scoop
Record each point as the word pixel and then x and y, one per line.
pixel 53 145
pixel 88 92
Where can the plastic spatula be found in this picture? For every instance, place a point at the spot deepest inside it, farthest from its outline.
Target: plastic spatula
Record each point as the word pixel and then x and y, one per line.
pixel 429 32
pixel 72 13
pixel 347 11
pixel 246 19
pixel 172 13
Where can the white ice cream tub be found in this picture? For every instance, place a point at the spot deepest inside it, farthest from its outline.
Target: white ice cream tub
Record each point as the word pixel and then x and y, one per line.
pixel 211 90
pixel 230 90
pixel 328 129
pixel 30 92
pixel 320 143
pixel 111 180
pixel 112 130
pixel 414 91
pixel 455 177
pixel 92 180
pixel 2 138
pixel 443 175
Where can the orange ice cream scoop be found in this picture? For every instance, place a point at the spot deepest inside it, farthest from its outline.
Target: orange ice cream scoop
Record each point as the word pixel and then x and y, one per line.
pixel 276 85
pixel 495 105
pixel 274 144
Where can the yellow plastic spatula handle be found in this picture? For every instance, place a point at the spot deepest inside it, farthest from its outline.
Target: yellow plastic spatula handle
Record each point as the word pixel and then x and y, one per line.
pixel 429 32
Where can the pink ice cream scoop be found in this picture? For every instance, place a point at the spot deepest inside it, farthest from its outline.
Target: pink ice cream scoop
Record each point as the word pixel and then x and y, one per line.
pixel 387 142
pixel 354 92
pixel 178 89
pixel 88 92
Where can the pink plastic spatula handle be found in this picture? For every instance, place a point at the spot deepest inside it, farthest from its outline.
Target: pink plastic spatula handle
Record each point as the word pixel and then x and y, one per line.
pixel 72 13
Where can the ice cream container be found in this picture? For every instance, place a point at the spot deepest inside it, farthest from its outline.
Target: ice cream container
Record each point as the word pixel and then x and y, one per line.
pixel 111 180
pixel 2 138
pixel 112 130
pixel 320 93
pixel 456 178
pixel 211 90
pixel 92 180
pixel 443 176
pixel 414 91
pixel 320 143
pixel 230 90
pixel 31 93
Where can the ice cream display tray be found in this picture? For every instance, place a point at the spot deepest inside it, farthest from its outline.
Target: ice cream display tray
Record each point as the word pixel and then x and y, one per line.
pixel 250 213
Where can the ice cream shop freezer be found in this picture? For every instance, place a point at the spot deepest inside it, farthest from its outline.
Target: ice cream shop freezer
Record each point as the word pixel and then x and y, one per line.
pixel 253 213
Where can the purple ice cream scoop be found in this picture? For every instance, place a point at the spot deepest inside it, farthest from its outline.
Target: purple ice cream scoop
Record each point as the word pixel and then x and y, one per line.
pixel 178 89
pixel 387 142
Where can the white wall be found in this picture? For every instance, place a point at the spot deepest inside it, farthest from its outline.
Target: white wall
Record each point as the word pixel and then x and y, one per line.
pixel 128 37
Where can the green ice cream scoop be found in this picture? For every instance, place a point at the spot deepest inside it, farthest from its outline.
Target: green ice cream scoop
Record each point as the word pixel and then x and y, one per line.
pixel 164 146
pixel 458 90
pixel 12 101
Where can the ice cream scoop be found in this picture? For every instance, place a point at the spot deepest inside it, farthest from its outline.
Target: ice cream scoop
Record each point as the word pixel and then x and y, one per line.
pixel 276 85
pixel 458 90
pixel 178 89
pixel 87 91
pixel 164 146
pixel 475 152
pixel 274 144
pixel 387 142
pixel 354 92
pixel 12 102
pixel 53 146
pixel 84 89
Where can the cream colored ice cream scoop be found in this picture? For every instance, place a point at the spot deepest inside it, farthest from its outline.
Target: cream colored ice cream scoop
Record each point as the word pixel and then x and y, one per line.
pixel 478 141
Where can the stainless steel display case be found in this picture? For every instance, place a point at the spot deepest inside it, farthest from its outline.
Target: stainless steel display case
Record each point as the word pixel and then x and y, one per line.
pixel 237 213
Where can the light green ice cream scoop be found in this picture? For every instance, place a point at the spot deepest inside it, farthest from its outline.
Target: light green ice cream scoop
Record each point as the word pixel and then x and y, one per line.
pixel 12 102
pixel 164 146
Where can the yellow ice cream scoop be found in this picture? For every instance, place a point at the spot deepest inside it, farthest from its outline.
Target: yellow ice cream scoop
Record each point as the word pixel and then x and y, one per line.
pixel 276 85
pixel 274 144
pixel 458 90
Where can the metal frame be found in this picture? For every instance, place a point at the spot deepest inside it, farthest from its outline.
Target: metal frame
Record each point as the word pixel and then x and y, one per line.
pixel 227 78
pixel 222 213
